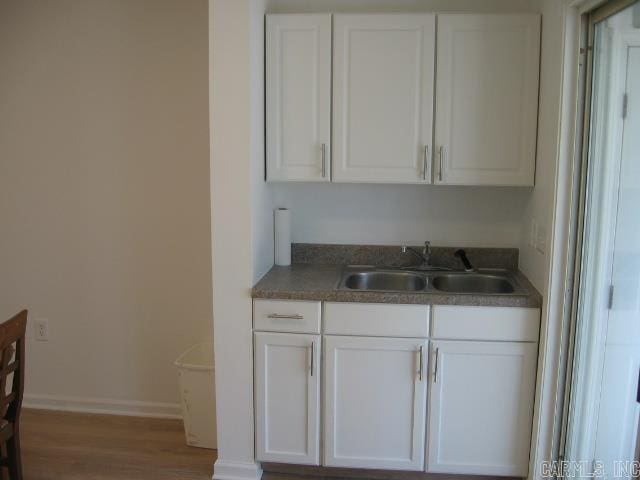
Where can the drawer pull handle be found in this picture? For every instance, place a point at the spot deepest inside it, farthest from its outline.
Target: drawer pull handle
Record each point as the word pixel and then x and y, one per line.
pixel 295 316
pixel 420 366
pixel 435 368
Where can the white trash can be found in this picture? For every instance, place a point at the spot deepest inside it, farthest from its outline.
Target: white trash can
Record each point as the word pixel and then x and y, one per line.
pixel 197 389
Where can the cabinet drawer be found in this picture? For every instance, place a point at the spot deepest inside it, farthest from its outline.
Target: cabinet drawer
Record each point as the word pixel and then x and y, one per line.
pixel 486 323
pixel 286 316
pixel 376 319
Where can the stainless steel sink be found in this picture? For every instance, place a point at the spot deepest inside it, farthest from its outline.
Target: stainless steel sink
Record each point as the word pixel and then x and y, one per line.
pixel 473 283
pixel 389 280
pixel 385 281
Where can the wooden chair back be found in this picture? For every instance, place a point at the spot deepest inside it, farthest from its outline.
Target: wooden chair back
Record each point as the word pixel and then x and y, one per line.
pixel 12 353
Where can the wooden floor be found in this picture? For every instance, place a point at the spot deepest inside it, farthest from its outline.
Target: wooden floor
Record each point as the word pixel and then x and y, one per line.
pixel 73 446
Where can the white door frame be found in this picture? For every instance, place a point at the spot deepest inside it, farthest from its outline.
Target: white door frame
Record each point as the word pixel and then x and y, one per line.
pixel 555 335
pixel 585 399
pixel 554 328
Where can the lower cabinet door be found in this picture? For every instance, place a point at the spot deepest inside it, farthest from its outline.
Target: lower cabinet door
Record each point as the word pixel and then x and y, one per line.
pixel 287 383
pixel 375 401
pixel 481 407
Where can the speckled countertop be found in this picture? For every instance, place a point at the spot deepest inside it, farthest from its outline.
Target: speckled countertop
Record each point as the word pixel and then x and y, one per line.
pixel 314 281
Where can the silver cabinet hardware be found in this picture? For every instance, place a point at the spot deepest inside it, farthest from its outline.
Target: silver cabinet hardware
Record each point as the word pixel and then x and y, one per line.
pixel 435 368
pixel 425 161
pixel 420 366
pixel 610 299
pixel 441 155
pixel 313 354
pixel 324 160
pixel 294 316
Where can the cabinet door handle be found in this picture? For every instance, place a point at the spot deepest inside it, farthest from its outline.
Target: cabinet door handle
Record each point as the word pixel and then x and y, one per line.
pixel 435 367
pixel 420 366
pixel 441 155
pixel 294 316
pixel 324 160
pixel 313 354
pixel 425 161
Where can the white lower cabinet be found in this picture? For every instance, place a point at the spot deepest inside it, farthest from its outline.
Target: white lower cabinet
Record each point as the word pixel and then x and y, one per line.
pixel 375 394
pixel 481 407
pixel 287 380
pixel 456 398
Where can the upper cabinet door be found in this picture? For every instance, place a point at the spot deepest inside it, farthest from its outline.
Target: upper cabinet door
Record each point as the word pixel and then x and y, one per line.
pixel 383 97
pixel 298 97
pixel 486 99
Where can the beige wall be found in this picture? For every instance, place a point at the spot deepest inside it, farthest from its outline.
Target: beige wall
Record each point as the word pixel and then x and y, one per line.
pixel 305 6
pixel 104 193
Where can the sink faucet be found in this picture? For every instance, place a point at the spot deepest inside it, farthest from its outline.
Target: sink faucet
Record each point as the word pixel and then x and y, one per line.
pixel 424 256
pixel 462 255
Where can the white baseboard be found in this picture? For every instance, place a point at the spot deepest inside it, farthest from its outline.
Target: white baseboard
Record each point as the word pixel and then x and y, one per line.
pixel 226 470
pixel 102 405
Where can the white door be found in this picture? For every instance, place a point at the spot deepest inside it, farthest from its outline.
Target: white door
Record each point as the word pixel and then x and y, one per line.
pixel 602 414
pixel 383 97
pixel 486 99
pixel 481 407
pixel 617 427
pixel 298 97
pixel 375 400
pixel 287 379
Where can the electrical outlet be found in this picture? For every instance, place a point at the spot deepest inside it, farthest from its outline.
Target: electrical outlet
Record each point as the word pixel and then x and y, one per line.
pixel 533 233
pixel 42 329
pixel 541 239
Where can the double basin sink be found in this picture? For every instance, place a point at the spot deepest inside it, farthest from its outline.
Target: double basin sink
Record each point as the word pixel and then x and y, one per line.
pixel 381 280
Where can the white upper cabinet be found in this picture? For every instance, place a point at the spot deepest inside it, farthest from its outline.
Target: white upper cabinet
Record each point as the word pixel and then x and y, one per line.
pixel 382 89
pixel 486 99
pixel 383 97
pixel 298 97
